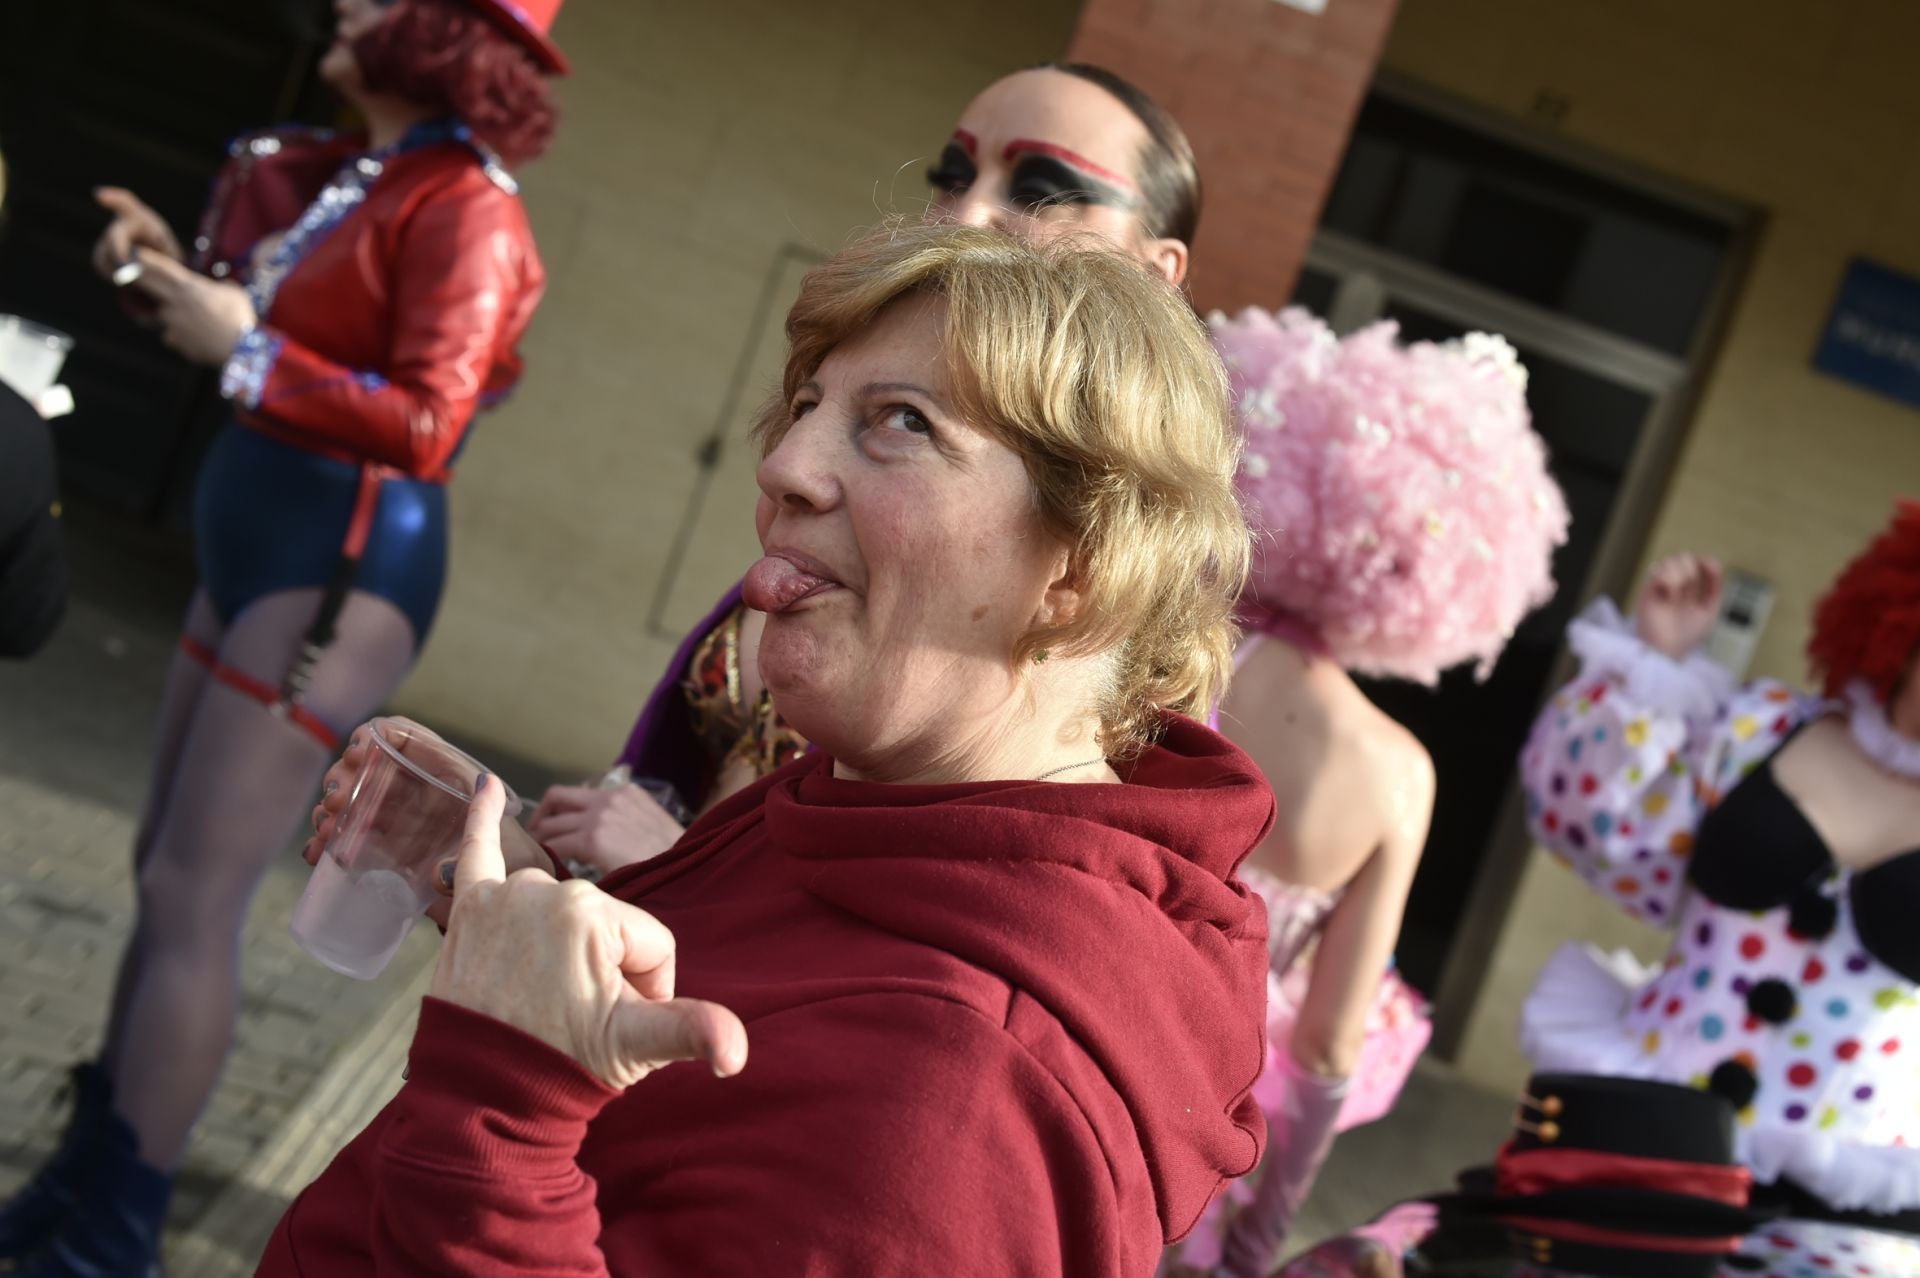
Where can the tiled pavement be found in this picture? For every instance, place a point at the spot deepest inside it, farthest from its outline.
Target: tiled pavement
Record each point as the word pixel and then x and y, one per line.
pixel 74 730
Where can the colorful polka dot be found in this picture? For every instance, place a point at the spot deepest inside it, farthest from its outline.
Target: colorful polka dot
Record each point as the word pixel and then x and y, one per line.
pixel 1712 1027
pixel 1681 844
pixel 1813 971
pixel 1673 1006
pixel 1627 885
pixel 1745 726
pixel 1891 1047
pixel 1848 1050
pixel 1702 978
pixel 1829 1116
pixel 1864 1092
pixel 1802 1075
pixel 1663 875
pixel 1752 945
pixel 1589 783
pixel 1858 963
pixel 1837 1008
pixel 1558 785
pixel 1651 1042
pixel 1550 822
pixel 1575 746
pixel 1802 1039
pixel 1636 732
pixel 1602 824
pixel 1703 934
pixel 1654 803
pixel 1599 736
pixel 1888 999
pixel 1796 1112
pixel 1635 775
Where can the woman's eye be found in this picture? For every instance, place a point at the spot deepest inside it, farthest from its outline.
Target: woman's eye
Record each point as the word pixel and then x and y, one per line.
pixel 800 408
pixel 907 418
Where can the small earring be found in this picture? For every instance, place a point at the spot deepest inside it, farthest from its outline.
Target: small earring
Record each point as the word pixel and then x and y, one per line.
pixel 1040 657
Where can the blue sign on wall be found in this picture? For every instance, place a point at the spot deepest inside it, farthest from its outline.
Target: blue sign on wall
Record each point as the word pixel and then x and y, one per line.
pixel 1873 335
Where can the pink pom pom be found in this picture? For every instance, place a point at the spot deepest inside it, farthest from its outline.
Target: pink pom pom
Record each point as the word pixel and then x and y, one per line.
pixel 1399 494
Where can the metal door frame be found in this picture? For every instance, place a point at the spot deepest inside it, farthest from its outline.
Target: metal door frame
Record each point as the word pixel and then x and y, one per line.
pixel 1673 383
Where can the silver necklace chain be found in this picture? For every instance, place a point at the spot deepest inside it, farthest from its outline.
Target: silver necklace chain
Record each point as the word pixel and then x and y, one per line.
pixel 1084 763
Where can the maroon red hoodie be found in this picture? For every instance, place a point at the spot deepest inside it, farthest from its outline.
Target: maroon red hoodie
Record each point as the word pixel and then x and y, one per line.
pixel 996 1029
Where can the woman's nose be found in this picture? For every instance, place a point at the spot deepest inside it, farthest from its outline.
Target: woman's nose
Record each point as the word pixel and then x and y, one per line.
pixel 798 473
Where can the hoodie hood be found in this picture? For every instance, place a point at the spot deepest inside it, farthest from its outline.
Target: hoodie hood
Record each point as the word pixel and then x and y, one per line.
pixel 1113 906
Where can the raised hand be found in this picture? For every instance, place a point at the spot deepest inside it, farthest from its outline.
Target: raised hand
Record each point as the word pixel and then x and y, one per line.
pixel 134 226
pixel 1680 603
pixel 577 969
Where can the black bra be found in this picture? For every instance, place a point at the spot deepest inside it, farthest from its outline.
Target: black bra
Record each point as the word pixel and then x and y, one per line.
pixel 1758 851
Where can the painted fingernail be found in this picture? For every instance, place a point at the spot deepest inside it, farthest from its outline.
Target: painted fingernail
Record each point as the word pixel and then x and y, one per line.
pixel 332 786
pixel 479 782
pixel 445 875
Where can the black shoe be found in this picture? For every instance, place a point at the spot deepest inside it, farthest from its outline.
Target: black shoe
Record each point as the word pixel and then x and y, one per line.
pixel 31 1218
pixel 113 1228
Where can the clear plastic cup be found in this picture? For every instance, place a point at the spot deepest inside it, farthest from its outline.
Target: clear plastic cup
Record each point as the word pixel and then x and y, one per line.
pixel 31 356
pixel 406 814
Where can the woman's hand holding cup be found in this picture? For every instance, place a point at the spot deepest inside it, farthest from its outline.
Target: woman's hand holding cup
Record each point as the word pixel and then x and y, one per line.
pixel 521 851
pixel 582 971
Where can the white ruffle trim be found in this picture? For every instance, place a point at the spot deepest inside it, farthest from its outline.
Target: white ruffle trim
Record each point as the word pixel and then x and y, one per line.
pixel 1849 1176
pixel 1606 644
pixel 1574 1022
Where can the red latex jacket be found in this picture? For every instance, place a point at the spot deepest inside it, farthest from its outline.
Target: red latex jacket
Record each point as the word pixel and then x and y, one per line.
pixel 400 321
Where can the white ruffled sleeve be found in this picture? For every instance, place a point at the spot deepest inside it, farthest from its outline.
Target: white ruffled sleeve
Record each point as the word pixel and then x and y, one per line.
pixel 1627 759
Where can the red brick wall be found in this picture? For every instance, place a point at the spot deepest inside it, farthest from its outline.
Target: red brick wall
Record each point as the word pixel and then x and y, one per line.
pixel 1268 95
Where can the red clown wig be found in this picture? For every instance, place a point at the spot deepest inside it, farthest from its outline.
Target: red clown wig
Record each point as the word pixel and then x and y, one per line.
pixel 447 56
pixel 1868 626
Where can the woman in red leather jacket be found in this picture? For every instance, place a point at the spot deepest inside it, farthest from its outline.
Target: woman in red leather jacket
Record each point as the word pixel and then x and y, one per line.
pixel 364 296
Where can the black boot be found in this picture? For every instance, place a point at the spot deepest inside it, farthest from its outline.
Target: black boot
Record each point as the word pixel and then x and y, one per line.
pixel 113 1230
pixel 31 1218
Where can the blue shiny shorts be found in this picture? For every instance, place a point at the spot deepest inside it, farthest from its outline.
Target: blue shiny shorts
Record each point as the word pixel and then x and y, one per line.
pixel 268 516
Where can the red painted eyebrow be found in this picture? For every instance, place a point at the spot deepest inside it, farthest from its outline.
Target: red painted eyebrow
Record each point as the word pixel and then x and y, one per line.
pixel 968 143
pixel 1024 146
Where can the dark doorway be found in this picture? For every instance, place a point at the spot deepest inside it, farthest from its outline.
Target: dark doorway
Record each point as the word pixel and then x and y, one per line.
pixel 143 94
pixel 1610 285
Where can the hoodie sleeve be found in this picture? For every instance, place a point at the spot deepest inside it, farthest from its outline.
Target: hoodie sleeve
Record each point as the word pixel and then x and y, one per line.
pixel 488 1131
pixel 927 1139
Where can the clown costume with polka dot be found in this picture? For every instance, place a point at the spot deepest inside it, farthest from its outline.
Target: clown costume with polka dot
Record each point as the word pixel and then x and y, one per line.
pixel 1777 834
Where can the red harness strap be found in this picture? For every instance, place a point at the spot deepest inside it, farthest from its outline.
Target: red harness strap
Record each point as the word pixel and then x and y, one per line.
pixel 263 692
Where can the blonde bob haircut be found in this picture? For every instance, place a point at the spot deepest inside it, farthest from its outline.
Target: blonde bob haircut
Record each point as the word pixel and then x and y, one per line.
pixel 1102 379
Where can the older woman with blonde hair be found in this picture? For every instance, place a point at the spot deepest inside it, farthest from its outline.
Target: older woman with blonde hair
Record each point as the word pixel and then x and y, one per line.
pixel 1003 990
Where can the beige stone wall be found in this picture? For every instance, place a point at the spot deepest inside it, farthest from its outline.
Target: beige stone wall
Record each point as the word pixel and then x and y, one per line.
pixel 1808 111
pixel 698 141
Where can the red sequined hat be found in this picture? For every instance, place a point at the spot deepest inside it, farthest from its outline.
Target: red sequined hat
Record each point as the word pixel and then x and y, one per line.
pixel 528 21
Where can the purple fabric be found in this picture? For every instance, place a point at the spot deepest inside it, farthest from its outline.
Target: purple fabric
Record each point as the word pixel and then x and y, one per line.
pixel 663 745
